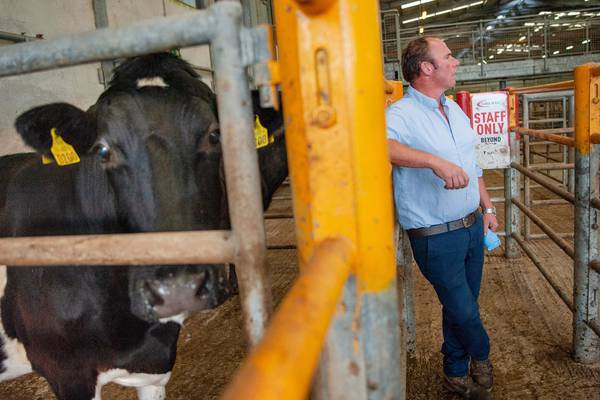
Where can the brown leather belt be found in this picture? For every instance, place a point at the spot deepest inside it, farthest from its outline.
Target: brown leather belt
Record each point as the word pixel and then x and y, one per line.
pixel 463 222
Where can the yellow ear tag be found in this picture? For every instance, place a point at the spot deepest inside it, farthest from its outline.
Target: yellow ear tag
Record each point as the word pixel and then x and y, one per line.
pixel 261 135
pixel 63 152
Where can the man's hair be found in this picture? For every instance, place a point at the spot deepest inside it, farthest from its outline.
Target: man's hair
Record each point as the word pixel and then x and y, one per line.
pixel 415 52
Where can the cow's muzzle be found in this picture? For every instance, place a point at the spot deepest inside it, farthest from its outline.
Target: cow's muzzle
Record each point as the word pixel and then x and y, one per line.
pixel 171 291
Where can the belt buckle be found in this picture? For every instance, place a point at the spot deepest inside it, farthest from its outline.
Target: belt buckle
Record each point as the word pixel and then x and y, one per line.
pixel 465 221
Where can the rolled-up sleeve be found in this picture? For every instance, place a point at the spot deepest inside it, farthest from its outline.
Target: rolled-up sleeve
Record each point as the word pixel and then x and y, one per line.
pixel 396 126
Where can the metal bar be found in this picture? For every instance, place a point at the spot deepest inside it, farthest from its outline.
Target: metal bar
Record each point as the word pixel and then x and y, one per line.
pixel 241 166
pixel 554 130
pixel 404 265
pixel 545 183
pixel 567 141
pixel 549 202
pixel 549 278
pixel 281 247
pixel 536 236
pixel 125 249
pixel 526 164
pixel 282 364
pixel 341 184
pixel 16 38
pixel 278 215
pixel 586 344
pixel 149 36
pixel 545 120
pixel 567 248
pixel 548 87
pixel 543 155
pixel 101 21
pixel 551 166
pixel 512 189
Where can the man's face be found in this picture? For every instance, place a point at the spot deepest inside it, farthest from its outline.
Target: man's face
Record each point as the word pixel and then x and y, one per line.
pixel 443 71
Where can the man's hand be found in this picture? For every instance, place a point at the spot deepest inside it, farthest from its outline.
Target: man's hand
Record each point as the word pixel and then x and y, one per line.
pixel 453 176
pixel 489 222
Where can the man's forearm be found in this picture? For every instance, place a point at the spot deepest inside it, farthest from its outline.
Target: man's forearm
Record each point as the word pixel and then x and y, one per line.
pixel 404 156
pixel 484 197
pixel 454 177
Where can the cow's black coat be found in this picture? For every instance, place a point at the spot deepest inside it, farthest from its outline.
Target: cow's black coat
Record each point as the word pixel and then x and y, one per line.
pixel 150 161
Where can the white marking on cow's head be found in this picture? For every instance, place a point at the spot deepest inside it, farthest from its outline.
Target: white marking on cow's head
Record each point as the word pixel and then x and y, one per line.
pixel 155 81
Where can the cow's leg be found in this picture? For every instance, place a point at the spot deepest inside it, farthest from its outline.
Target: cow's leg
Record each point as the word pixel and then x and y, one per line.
pixel 151 393
pixel 76 388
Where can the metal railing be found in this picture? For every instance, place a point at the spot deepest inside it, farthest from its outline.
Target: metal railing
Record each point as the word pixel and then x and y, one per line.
pixel 585 250
pixel 219 26
pixel 507 39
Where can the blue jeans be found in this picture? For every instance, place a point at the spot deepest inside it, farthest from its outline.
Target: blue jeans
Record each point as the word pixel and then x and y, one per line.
pixel 453 263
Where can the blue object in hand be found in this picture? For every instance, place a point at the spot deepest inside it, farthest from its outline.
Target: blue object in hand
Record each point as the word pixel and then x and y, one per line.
pixel 491 240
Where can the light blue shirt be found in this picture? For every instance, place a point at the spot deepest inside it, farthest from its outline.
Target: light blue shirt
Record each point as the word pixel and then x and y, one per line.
pixel 420 196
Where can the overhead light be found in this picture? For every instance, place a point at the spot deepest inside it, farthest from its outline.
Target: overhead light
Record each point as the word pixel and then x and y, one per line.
pixel 408 21
pixel 415 3
pixel 536 30
pixel 500 17
pixel 529 24
pixel 424 14
pixel 586 41
pixel 485 62
pixel 555 52
pixel 491 57
pixel 489 28
pixel 517 50
pixel 544 56
pixel 522 38
pixel 509 46
pixel 421 29
pixel 544 13
pixel 499 51
pixel 571 13
pixel 569 47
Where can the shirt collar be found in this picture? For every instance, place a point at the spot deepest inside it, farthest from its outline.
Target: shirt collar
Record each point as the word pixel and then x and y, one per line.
pixel 425 100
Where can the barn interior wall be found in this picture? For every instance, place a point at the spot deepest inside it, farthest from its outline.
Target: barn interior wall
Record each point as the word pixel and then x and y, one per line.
pixel 78 85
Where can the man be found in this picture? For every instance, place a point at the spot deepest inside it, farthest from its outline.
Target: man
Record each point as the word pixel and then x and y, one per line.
pixel 438 188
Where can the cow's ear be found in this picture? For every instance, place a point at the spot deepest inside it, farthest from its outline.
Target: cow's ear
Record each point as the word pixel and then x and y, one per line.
pixel 76 127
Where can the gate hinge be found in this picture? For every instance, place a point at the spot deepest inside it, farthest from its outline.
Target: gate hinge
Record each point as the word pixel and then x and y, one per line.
pixel 258 52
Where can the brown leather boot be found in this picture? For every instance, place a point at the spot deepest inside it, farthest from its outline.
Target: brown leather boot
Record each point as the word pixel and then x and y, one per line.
pixel 466 388
pixel 482 373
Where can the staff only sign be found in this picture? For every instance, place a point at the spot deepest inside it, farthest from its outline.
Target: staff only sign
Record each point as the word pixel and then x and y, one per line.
pixel 489 118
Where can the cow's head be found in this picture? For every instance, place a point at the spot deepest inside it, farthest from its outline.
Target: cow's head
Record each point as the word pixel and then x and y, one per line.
pixel 152 144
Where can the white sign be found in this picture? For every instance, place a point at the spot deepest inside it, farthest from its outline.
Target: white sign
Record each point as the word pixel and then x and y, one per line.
pixel 489 117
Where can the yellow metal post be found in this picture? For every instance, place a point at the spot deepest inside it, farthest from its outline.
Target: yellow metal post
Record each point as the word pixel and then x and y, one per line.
pixel 282 365
pixel 586 283
pixel 333 95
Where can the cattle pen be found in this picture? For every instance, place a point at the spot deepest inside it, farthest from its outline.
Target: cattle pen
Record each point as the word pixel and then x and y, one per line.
pixel 339 247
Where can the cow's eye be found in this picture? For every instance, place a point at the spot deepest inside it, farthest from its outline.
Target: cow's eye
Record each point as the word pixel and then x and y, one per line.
pixel 214 137
pixel 103 151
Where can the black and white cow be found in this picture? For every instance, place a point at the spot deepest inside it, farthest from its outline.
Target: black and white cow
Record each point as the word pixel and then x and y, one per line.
pixel 150 160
